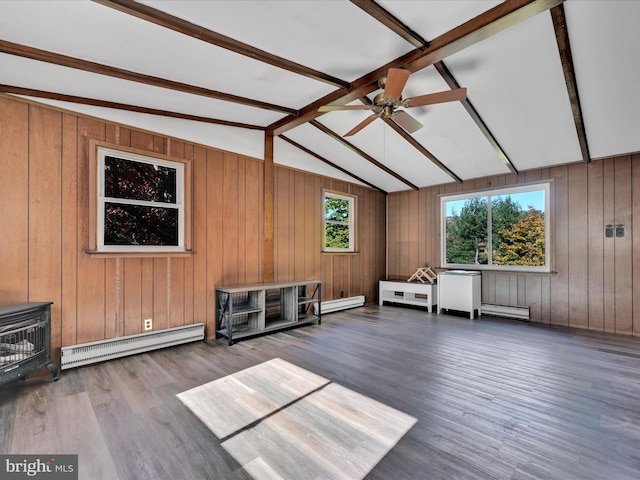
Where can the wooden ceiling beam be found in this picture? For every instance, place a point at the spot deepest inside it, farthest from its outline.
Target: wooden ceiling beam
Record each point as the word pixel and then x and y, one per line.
pixel 475 116
pixel 564 48
pixel 364 155
pixel 184 27
pixel 485 25
pixel 93 67
pixel 121 106
pixel 330 163
pixel 391 22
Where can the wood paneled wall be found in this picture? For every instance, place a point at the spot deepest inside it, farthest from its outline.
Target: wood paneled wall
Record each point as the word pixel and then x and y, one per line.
pixel 596 280
pixel 44 180
pixel 298 236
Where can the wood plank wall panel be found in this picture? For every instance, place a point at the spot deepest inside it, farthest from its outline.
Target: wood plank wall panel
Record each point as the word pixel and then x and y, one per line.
pixel 635 233
pixel 200 267
pixel 282 234
pixel 69 266
pixel 578 266
pixel 230 221
pixel 242 222
pixel 312 232
pixel 596 279
pixel 299 235
pixel 609 246
pixel 254 221
pixel 188 263
pixel 596 246
pixel 215 231
pixel 393 228
pixel 14 234
pixel 560 281
pixel 45 212
pixel 623 253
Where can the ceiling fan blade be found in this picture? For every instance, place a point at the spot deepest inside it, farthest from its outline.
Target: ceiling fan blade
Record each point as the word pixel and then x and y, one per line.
pixel 406 121
pixel 440 97
pixel 396 80
pixel 361 125
pixel 331 108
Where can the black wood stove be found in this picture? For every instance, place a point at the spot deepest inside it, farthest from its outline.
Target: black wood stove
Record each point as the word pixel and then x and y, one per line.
pixel 25 340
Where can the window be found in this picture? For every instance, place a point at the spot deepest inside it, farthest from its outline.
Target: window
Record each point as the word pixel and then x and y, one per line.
pixel 140 202
pixel 505 229
pixel 339 231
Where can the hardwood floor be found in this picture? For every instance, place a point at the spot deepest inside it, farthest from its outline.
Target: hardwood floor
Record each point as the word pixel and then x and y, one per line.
pixel 493 399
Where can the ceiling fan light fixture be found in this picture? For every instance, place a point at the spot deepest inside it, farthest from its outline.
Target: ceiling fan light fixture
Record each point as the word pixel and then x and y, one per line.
pixel 385 103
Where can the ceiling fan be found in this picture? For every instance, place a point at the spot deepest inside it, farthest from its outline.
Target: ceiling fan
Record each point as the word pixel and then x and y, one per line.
pixel 390 104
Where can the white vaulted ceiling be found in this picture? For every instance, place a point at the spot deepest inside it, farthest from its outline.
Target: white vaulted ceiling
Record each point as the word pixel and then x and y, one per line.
pixel 227 73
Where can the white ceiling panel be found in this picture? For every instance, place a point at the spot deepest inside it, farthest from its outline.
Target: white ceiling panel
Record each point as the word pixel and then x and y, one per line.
pixel 436 17
pixel 333 36
pixel 106 36
pixel 311 137
pixel 289 155
pixel 608 72
pixel 18 71
pixel 518 86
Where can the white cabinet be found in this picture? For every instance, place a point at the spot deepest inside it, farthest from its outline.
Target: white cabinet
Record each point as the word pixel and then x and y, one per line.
pixel 250 310
pixel 421 294
pixel 460 290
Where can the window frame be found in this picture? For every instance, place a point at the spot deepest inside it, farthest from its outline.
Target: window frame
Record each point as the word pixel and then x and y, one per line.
pixel 507 190
pixel 351 223
pixel 98 152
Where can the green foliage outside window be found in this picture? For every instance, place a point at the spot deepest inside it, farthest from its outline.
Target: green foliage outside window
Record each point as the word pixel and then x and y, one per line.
pixel 515 237
pixel 523 243
pixel 337 219
pixel 467 234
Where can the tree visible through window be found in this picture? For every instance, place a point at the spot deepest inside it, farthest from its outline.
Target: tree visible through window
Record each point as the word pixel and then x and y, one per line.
pixel 338 222
pixel 140 203
pixel 505 229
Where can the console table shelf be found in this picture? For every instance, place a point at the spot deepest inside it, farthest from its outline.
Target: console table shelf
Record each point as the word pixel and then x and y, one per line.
pixel 250 310
pixel 418 294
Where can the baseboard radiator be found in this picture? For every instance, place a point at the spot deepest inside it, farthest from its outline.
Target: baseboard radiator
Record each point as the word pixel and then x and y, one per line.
pixel 342 304
pixel 507 311
pixel 93 352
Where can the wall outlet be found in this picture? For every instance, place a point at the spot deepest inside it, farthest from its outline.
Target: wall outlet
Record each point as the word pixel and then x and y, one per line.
pixel 148 324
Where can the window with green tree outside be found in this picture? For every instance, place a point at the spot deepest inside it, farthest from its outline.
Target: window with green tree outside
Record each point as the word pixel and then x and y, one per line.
pixel 503 229
pixel 339 235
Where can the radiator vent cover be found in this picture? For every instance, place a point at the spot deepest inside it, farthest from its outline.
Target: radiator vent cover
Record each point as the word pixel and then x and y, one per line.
pixel 341 304
pixel 507 311
pixel 92 352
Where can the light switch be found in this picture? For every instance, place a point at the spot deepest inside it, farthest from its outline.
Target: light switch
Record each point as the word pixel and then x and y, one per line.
pixel 608 231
